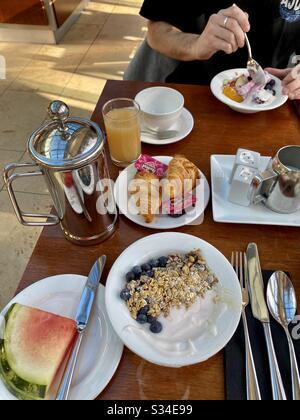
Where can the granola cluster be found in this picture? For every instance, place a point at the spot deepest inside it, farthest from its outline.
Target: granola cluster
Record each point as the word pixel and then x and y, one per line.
pixel 179 284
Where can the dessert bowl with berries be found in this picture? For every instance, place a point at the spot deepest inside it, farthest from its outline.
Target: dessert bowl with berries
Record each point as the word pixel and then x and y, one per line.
pixel 237 89
pixel 173 299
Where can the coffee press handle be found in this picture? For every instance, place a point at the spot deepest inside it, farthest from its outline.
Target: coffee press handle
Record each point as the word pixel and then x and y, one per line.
pixel 262 185
pixel 9 178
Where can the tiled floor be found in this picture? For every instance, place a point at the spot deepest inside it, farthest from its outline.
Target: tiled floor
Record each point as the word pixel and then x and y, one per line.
pixel 98 47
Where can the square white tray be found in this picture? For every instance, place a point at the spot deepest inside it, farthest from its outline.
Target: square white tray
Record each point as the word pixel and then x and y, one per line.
pixel 226 212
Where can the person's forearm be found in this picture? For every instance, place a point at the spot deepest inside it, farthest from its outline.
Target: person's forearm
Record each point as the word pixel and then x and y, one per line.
pixel 171 42
pixel 225 31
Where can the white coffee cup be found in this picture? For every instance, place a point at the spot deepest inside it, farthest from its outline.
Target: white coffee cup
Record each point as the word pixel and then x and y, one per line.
pixel 161 107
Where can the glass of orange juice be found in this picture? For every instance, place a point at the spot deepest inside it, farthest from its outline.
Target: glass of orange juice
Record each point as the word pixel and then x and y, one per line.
pixel 122 124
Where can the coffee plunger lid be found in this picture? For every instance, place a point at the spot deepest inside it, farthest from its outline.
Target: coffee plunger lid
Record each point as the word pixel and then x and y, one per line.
pixel 65 143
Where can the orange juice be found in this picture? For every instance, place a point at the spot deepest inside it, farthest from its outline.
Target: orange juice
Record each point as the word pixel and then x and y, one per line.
pixel 124 135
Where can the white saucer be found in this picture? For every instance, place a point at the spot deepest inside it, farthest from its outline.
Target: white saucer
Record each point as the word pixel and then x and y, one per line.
pixel 101 349
pixel 245 108
pixel 161 222
pixel 189 337
pixel 226 212
pixel 184 126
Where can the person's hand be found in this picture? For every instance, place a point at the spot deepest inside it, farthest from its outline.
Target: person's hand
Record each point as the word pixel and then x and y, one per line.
pixel 290 80
pixel 225 31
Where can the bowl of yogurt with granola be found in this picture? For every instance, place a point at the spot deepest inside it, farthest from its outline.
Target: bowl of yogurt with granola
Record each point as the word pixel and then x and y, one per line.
pixel 237 89
pixel 173 299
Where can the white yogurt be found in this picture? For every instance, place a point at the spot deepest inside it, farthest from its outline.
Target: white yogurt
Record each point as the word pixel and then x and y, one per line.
pixel 184 329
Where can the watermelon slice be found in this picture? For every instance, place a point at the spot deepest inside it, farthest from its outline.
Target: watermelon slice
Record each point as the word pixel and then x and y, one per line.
pixel 34 347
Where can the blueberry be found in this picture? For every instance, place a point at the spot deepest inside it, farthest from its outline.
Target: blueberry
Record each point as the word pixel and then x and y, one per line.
pixel 142 319
pixel 130 276
pixel 146 267
pixel 163 261
pixel 156 327
pixel 144 310
pixel 154 263
pixel 125 295
pixel 274 92
pixel 150 274
pixel 268 86
pixel 151 319
pixel 137 271
pixel 272 82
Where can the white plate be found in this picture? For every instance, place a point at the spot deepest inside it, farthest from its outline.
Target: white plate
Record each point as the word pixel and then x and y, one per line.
pixel 246 108
pixel 189 337
pixel 101 349
pixel 184 126
pixel 161 221
pixel 226 212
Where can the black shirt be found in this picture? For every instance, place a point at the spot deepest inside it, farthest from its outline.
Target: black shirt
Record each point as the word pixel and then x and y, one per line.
pixel 274 35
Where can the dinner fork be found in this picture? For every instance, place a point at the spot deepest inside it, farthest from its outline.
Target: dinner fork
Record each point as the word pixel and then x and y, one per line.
pixel 240 264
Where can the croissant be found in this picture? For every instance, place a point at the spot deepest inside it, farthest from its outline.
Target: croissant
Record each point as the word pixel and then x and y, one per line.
pixel 182 177
pixel 150 198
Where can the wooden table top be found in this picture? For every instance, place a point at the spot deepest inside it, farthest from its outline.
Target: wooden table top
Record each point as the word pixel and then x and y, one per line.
pixel 218 130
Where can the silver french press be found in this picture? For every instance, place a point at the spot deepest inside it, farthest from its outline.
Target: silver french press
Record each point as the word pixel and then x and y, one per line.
pixel 279 186
pixel 69 153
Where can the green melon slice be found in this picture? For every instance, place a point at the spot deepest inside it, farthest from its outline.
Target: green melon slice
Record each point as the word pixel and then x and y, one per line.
pixel 35 345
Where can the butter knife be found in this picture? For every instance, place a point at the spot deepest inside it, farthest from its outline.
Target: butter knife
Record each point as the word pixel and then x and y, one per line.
pixel 261 313
pixel 82 319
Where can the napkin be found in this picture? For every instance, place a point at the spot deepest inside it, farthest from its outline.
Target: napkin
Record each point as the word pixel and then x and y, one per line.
pixel 235 364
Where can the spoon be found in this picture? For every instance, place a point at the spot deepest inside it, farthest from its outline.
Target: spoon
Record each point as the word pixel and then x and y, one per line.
pixel 160 135
pixel 282 304
pixel 255 70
